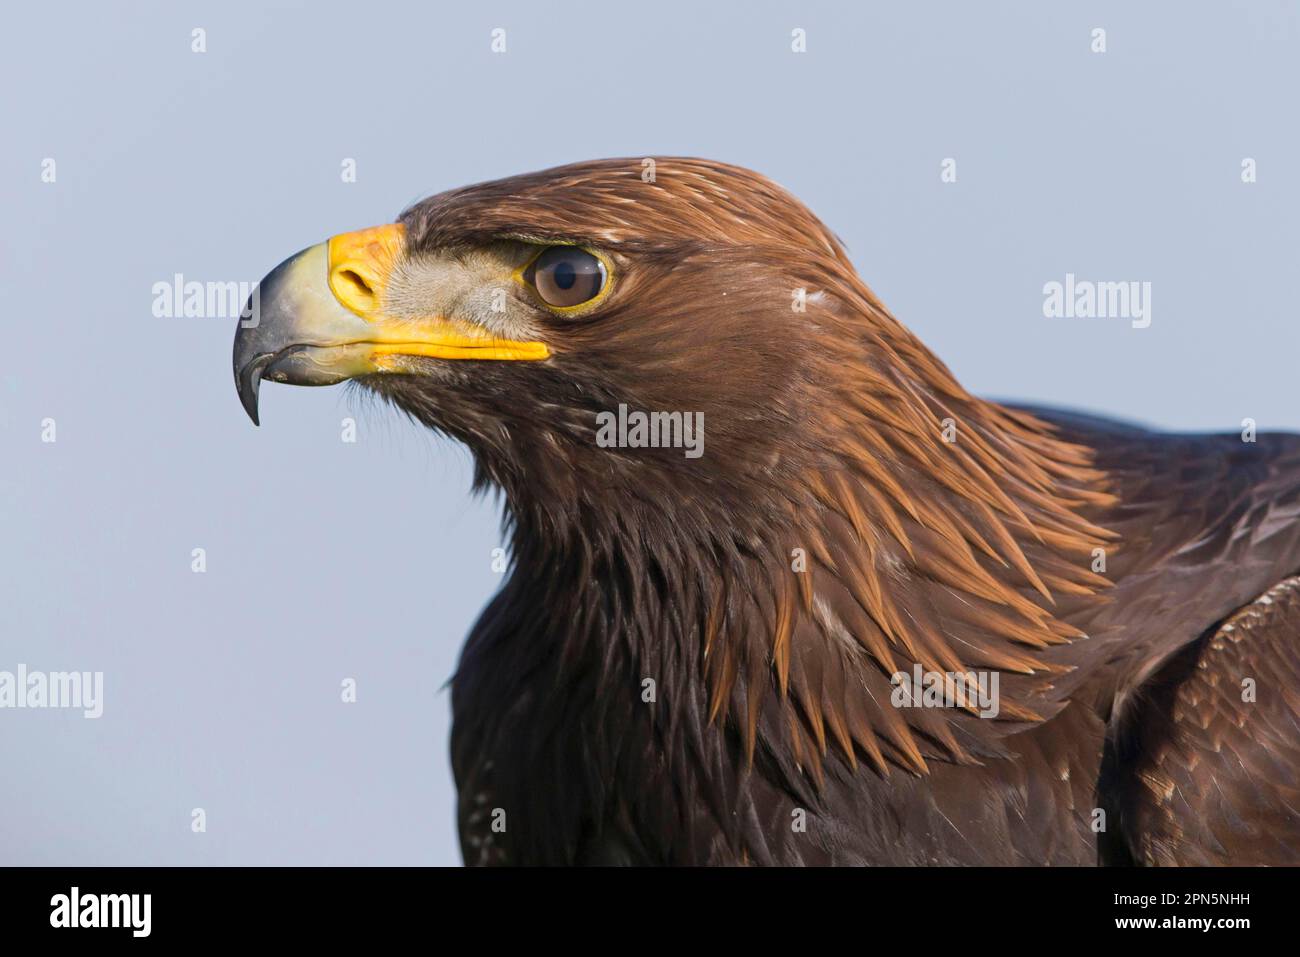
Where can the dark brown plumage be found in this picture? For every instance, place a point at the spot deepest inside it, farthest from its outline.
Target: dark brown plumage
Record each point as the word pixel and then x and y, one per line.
pixel 829 537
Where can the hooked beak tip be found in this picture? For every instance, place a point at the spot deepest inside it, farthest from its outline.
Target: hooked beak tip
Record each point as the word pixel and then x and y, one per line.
pixel 248 381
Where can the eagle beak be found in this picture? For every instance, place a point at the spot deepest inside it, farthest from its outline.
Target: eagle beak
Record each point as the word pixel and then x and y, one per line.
pixel 318 318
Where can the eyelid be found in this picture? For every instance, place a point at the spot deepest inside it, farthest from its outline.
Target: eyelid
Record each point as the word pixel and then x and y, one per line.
pixel 523 273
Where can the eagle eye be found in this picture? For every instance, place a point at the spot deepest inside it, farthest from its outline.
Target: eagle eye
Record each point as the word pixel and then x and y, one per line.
pixel 566 276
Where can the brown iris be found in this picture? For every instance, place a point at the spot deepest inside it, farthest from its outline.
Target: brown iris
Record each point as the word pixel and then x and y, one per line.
pixel 566 276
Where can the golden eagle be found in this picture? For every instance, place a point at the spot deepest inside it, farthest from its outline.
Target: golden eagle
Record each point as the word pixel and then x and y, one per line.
pixel 782 591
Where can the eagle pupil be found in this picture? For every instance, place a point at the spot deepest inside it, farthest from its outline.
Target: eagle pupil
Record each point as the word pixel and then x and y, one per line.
pixel 565 275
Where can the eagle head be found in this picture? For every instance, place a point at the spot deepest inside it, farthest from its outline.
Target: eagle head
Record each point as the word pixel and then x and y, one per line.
pixel 519 315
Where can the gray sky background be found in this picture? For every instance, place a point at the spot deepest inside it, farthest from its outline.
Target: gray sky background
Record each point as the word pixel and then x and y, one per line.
pixel 328 560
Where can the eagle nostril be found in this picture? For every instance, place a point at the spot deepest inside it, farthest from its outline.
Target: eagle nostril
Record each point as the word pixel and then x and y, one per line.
pixel 354 289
